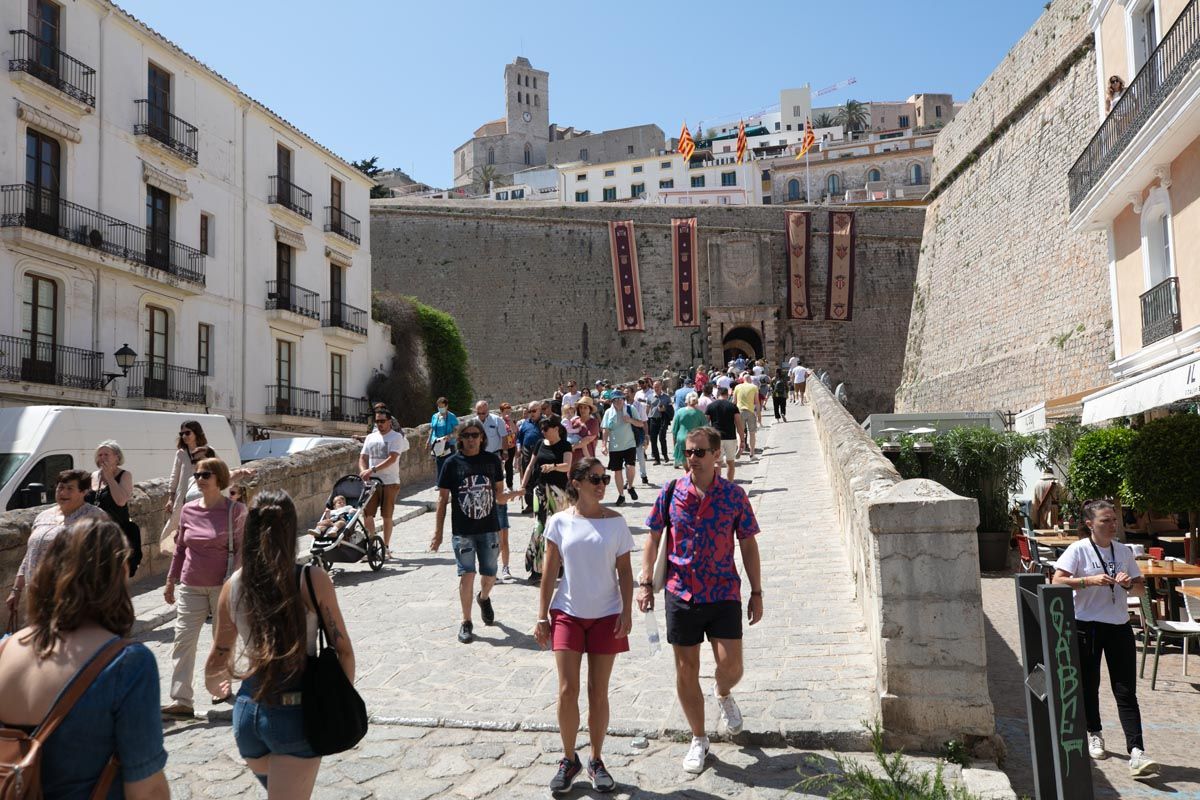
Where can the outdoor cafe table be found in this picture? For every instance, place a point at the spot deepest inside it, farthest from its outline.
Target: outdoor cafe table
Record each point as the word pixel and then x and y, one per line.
pixel 1169 571
pixel 1055 539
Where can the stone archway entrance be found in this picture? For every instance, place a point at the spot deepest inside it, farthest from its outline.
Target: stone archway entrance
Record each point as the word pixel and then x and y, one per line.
pixel 743 341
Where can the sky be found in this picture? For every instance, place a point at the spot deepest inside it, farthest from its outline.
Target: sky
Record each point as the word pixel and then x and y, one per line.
pixel 410 81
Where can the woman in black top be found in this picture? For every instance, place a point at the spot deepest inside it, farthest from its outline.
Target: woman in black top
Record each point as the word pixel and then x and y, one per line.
pixel 112 489
pixel 552 461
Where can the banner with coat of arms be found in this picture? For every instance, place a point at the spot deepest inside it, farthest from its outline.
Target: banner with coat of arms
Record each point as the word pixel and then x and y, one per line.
pixel 683 253
pixel 799 237
pixel 626 282
pixel 839 305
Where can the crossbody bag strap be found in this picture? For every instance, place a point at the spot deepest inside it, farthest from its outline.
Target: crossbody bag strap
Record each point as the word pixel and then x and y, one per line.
pixel 667 529
pixel 79 684
pixel 312 594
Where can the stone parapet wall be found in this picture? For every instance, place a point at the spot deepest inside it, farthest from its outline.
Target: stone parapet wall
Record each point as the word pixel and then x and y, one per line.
pixel 914 554
pixel 306 476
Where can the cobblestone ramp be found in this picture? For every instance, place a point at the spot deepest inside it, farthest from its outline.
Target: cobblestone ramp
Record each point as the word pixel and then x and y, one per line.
pixel 809 673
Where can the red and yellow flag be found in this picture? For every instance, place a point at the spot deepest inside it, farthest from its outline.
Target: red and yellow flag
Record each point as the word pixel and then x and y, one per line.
pixel 809 139
pixel 686 145
pixel 741 141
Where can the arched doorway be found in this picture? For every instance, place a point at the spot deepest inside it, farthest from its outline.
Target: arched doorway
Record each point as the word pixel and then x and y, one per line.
pixel 742 341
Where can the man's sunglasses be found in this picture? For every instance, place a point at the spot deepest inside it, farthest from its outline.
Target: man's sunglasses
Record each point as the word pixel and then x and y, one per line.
pixel 696 452
pixel 381 420
pixel 469 436
pixel 205 474
pixel 596 480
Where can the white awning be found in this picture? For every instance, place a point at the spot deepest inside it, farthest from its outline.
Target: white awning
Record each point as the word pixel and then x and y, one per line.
pixel 1178 380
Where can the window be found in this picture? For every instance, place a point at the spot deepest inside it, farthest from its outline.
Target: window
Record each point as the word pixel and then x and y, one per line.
pixel 518 194
pixel 491 155
pixel 527 98
pixel 581 197
pixel 582 176
pixel 157 340
pixel 629 149
pixel 583 154
pixel 833 184
pixel 937 111
pixel 204 349
pixel 535 81
pixel 729 179
pixel 42 173
pixel 335 199
pixel 158 228
pixel 39 317
pixel 337 375
pixel 789 126
pixel 916 175
pixel 528 154
pixel 637 190
pixel 766 175
pixel 205 234
pixel 337 290
pixel 462 162
pixel 526 80
pixel 518 98
pixel 664 165
pixel 283 274
pixel 158 111
pixel 797 111
pixel 793 189
pixel 782 142
pixel 637 168
pixel 610 194
pixel 45 23
pixel 766 200
pixel 1157 256
pixel 667 184
pixel 873 175
pixel 283 371
pixel 726 149
pixel 537 100
pixel 903 121
pixel 501 195
pixel 1145 32
pixel 697 181
pixel 776 126
pixel 608 173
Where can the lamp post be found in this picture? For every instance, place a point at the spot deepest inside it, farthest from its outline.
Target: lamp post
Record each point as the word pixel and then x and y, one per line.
pixel 891 448
pixel 125 358
pixel 922 448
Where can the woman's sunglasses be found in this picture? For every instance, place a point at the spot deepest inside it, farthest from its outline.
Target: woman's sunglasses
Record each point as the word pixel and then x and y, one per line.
pixel 187 433
pixel 469 436
pixel 596 480
pixel 203 474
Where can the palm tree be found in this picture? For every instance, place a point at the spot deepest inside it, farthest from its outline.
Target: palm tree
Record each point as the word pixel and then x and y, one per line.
pixel 853 115
pixel 824 120
pixel 485 176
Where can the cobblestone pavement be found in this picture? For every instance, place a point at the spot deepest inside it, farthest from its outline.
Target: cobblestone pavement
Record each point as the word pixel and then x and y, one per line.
pixel 1170 713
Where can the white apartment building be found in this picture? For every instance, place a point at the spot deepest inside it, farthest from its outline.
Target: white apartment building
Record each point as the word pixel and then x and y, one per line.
pixel 665 178
pixel 170 242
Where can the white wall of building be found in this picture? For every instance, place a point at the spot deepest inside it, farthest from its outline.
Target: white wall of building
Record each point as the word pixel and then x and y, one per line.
pixel 664 179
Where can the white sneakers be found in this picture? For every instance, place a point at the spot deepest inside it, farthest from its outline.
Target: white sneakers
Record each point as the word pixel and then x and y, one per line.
pixel 693 762
pixel 1140 764
pixel 1096 746
pixel 731 715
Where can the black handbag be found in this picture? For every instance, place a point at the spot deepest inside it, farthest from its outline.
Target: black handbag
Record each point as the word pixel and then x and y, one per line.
pixel 335 716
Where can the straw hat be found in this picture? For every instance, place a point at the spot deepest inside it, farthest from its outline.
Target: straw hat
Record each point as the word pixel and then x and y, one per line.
pixel 586 400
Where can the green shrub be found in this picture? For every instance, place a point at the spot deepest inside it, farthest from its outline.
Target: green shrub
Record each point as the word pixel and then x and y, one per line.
pixel 446 356
pixel 1098 465
pixel 1162 468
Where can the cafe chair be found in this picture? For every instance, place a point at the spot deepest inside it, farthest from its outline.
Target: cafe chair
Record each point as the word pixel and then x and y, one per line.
pixel 1031 562
pixel 1164 629
pixel 1191 607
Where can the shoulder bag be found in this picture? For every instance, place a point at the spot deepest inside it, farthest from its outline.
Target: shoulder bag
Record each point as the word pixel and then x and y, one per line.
pixel 21 753
pixel 664 545
pixel 229 541
pixel 335 716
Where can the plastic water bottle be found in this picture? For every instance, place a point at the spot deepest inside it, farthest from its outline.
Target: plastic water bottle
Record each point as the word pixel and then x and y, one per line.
pixel 652 634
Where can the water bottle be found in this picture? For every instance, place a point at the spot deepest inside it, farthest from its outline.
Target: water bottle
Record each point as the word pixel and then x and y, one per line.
pixel 652 633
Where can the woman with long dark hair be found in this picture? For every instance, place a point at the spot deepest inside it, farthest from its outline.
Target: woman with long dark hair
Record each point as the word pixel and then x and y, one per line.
pixel 266 604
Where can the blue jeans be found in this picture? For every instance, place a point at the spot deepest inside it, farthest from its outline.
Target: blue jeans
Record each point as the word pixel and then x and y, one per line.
pixel 262 730
pixel 485 547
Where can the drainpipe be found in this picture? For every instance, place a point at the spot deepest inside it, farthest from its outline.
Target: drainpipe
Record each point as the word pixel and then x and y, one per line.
pixel 100 188
pixel 245 221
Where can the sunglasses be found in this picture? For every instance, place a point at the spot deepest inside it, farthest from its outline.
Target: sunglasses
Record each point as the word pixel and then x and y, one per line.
pixel 696 452
pixel 596 480
pixel 203 474
pixel 381 420
pixel 469 436
pixel 187 433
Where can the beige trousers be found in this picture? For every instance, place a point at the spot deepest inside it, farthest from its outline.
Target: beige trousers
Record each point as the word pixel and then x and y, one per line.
pixel 193 604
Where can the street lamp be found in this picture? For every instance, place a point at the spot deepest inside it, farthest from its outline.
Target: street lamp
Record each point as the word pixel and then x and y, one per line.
pixel 922 448
pixel 125 358
pixel 891 448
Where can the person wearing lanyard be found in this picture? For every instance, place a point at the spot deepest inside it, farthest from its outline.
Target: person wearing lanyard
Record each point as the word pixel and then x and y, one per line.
pixel 1102 572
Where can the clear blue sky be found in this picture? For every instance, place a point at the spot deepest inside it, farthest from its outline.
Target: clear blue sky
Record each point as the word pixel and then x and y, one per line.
pixel 410 81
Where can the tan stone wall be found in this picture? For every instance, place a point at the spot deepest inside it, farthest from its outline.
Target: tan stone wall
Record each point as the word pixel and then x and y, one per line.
pixel 1131 277
pixel 914 554
pixel 1009 309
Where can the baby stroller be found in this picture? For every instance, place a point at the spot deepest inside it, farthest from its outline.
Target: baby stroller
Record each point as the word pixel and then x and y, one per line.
pixel 352 542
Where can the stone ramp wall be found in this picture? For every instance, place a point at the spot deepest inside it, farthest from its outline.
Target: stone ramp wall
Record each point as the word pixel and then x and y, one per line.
pixel 914 555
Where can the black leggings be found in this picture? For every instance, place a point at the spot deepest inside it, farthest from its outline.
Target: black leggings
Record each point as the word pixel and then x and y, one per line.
pixel 1117 644
pixel 779 404
pixel 507 457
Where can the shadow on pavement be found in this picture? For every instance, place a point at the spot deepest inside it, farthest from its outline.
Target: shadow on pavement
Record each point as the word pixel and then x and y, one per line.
pixel 163 633
pixel 757 492
pixel 784 771
pixel 512 637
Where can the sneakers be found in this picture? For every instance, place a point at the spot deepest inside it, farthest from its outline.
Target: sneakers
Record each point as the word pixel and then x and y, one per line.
pixel 598 773
pixel 178 711
pixel 486 612
pixel 730 714
pixel 621 499
pixel 567 770
pixel 1140 764
pixel 645 481
pixel 632 493
pixel 505 575
pixel 1096 746
pixel 693 762
pixel 466 632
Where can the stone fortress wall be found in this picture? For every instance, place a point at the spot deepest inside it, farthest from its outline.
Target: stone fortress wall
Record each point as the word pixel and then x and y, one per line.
pixel 532 290
pixel 1009 309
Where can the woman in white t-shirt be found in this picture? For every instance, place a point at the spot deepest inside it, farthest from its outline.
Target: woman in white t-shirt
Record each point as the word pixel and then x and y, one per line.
pixel 1103 573
pixel 591 612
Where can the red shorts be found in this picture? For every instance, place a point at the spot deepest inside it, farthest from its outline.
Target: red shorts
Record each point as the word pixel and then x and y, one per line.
pixel 594 636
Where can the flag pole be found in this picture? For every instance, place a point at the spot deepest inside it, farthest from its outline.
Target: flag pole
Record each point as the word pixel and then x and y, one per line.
pixel 807 180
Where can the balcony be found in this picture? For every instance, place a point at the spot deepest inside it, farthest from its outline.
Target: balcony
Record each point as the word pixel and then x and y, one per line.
pixel 53 67
pixel 51 364
pixel 340 408
pixel 290 401
pixel 1160 312
pixel 163 127
pixel 344 318
pixel 44 211
pixel 341 223
pixel 290 196
pixel 156 380
pixel 293 303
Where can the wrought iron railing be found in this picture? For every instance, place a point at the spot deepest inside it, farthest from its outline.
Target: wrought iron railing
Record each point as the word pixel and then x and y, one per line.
pixel 1160 311
pixel 290 297
pixel 161 125
pixel 343 315
pixel 290 196
pixel 341 223
pixel 43 362
pixel 52 66
pixel 1175 55
pixel 340 408
pixel 161 381
pixel 293 402
pixel 43 210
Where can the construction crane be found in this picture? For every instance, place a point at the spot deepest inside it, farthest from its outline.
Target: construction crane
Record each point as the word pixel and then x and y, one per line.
pixel 835 87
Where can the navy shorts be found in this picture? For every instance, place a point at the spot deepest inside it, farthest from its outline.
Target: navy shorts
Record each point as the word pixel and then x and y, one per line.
pixel 266 730
pixel 484 548
pixel 688 623
pixel 502 514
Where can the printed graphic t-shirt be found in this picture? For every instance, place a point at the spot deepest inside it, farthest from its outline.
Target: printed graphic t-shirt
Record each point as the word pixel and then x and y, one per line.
pixel 471 481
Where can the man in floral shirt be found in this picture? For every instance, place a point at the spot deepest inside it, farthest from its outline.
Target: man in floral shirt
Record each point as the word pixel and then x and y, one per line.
pixel 704 515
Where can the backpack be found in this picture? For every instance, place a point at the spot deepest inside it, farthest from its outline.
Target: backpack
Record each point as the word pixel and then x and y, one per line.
pixel 21 753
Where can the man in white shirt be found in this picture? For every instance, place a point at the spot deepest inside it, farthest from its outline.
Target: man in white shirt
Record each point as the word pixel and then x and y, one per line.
pixel 572 395
pixel 494 427
pixel 380 458
pixel 799 375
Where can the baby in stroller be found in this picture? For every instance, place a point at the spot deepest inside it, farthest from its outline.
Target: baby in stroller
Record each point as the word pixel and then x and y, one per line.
pixel 334 519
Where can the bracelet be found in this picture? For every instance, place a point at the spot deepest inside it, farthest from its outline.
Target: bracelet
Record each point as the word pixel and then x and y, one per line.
pixel 541 621
pixel 756 594
pixel 646 585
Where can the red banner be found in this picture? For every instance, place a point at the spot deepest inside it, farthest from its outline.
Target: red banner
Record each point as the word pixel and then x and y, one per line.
pixel 799 237
pixel 839 305
pixel 627 284
pixel 683 252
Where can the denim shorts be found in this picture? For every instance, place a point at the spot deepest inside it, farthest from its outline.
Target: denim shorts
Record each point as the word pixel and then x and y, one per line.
pixel 266 730
pixel 502 515
pixel 484 547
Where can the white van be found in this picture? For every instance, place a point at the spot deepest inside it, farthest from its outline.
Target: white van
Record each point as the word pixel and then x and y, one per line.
pixel 38 442
pixel 273 448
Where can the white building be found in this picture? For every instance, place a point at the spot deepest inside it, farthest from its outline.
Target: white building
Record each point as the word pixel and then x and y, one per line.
pixel 535 183
pixel 663 178
pixel 148 202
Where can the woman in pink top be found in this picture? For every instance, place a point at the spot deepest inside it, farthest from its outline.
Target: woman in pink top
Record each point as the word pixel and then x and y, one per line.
pixel 201 565
pixel 586 426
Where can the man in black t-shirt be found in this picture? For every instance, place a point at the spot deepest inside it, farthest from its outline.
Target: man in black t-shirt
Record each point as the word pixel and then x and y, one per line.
pixel 723 414
pixel 472 483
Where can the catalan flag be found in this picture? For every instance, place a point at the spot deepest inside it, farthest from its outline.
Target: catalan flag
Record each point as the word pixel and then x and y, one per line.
pixel 809 139
pixel 686 145
pixel 741 141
